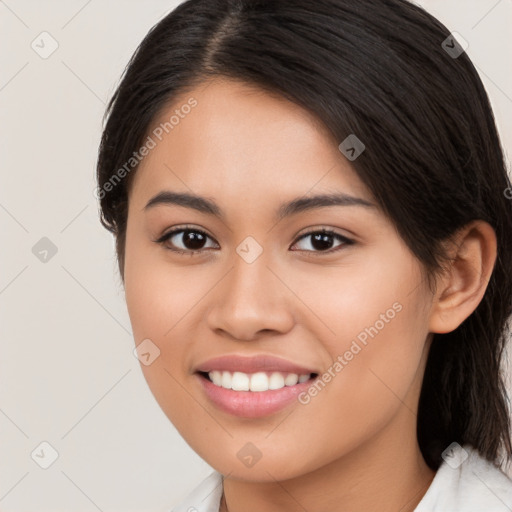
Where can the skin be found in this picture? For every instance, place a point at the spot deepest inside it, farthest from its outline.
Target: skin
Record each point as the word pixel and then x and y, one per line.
pixel 353 446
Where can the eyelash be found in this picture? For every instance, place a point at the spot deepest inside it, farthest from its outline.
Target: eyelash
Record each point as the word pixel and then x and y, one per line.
pixel 165 237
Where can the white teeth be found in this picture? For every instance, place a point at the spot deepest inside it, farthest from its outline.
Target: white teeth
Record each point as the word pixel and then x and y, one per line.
pixel 216 377
pixel 276 381
pixel 260 381
pixel 240 381
pixel 226 380
pixel 291 379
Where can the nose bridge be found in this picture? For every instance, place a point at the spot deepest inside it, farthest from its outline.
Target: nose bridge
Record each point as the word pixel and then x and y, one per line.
pixel 250 286
pixel 250 298
pixel 250 278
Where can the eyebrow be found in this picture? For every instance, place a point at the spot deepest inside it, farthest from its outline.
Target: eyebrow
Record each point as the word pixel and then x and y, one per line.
pixel 301 204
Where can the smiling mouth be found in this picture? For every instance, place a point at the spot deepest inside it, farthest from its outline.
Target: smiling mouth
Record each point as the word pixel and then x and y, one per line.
pixel 255 382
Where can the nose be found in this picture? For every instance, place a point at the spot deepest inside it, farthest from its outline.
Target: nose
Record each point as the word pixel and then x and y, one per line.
pixel 250 301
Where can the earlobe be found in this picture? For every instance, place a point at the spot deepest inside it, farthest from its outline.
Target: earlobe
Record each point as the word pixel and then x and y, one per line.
pixel 463 284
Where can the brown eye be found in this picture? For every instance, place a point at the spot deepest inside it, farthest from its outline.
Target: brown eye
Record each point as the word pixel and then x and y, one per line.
pixel 323 241
pixel 189 240
pixel 193 240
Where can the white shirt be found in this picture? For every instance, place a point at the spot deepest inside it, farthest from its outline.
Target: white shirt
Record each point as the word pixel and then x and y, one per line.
pixel 475 485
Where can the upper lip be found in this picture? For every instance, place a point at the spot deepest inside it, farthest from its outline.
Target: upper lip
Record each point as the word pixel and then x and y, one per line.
pixel 259 363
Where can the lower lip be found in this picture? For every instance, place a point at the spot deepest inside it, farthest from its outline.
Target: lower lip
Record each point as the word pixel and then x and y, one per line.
pixel 252 404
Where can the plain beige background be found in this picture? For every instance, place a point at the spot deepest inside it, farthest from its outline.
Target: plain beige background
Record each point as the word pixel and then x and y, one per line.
pixel 68 376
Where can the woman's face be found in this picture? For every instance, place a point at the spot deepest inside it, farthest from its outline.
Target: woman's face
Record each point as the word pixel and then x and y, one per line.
pixel 350 307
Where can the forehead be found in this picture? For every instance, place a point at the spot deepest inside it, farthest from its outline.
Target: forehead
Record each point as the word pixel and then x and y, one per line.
pixel 227 138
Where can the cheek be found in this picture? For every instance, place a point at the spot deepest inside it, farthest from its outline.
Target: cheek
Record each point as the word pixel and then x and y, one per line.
pixel 158 301
pixel 162 300
pixel 370 297
pixel 158 295
pixel 373 376
pixel 372 323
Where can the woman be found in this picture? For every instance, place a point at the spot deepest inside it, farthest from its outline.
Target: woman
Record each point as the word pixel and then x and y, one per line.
pixel 312 228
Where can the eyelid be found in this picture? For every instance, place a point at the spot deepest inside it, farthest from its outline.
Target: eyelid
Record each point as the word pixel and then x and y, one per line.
pixel 185 227
pixel 322 229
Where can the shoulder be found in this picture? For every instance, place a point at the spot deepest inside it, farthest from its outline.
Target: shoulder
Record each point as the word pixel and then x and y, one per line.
pixel 203 498
pixel 467 482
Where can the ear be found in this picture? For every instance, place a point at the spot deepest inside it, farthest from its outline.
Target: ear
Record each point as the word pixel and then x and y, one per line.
pixel 463 284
